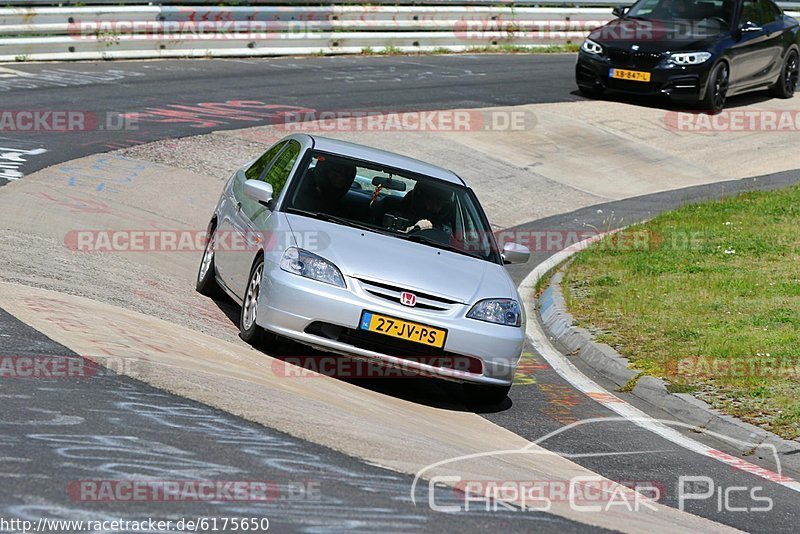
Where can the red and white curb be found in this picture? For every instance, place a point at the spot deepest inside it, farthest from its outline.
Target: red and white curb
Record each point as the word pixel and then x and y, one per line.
pixel 590 388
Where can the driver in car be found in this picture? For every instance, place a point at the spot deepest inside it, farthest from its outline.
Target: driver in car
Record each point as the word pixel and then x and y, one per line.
pixel 429 206
pixel 325 186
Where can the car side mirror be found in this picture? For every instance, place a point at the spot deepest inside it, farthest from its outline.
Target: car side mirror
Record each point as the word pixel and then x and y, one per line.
pixel 259 191
pixel 749 26
pixel 620 11
pixel 514 253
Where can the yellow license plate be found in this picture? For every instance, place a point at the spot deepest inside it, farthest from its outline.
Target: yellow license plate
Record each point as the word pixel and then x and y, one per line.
pixel 391 326
pixel 632 75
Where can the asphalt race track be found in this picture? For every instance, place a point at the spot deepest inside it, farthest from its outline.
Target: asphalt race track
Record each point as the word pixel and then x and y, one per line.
pixel 373 83
pixel 56 432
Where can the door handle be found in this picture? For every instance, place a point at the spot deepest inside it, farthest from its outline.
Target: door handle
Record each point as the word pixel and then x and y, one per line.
pixel 238 206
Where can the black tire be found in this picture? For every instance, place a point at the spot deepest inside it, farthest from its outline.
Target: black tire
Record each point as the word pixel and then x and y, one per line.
pixel 249 330
pixel 717 88
pixel 485 395
pixel 591 92
pixel 206 282
pixel 787 82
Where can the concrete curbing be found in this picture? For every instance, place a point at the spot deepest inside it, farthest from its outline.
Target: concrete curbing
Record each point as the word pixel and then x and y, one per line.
pixel 559 327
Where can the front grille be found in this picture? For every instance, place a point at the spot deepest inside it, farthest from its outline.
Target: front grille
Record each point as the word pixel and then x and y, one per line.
pixel 399 348
pixel 392 293
pixel 633 60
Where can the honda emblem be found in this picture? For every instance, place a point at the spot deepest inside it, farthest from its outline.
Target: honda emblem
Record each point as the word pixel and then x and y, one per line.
pixel 408 299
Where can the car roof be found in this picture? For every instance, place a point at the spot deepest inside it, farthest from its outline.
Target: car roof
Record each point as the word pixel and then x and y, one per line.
pixel 382 157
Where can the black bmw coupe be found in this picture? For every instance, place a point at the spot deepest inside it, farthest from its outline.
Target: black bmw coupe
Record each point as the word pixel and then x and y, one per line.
pixel 699 51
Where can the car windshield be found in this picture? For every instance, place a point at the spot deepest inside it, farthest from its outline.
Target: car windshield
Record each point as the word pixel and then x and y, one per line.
pixel 693 18
pixel 393 202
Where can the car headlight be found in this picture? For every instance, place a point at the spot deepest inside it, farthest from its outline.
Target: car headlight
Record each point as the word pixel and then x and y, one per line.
pixel 592 47
pixel 499 311
pixel 689 58
pixel 304 263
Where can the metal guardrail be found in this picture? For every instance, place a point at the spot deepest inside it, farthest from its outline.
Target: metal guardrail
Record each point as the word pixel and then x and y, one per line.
pixel 251 3
pixel 114 32
pixel 255 3
pixel 155 31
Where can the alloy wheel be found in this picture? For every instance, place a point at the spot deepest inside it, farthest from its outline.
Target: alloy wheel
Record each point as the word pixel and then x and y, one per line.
pixel 720 87
pixel 792 73
pixel 208 256
pixel 251 299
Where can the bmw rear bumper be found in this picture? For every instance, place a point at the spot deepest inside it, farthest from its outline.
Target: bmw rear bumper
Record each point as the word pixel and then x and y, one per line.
pixel 327 318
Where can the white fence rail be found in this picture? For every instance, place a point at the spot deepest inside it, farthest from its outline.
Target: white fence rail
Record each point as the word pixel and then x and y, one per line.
pixel 145 31
pixel 250 3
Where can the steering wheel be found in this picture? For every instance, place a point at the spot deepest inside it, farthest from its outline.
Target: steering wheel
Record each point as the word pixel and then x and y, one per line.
pixel 434 234
pixel 722 21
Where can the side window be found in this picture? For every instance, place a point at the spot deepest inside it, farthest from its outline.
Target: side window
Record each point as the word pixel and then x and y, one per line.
pixel 257 168
pixel 760 12
pixel 279 172
pixel 776 11
pixel 647 7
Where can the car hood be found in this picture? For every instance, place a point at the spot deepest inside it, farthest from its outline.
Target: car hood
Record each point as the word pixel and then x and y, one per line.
pixel 413 266
pixel 653 36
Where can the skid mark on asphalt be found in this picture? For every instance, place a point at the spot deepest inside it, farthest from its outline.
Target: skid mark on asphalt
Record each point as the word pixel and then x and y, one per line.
pixel 215 114
pixel 61 77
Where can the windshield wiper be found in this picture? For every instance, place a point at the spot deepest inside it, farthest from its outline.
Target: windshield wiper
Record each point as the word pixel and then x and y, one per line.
pixel 416 238
pixel 327 217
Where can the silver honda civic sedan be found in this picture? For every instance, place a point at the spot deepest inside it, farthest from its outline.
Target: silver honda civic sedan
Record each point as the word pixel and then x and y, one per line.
pixel 371 255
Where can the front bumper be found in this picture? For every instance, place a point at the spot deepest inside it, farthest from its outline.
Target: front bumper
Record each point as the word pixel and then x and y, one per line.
pixel 294 307
pixel 679 83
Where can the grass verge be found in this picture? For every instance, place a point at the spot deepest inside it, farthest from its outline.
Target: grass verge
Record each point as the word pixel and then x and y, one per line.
pixel 709 300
